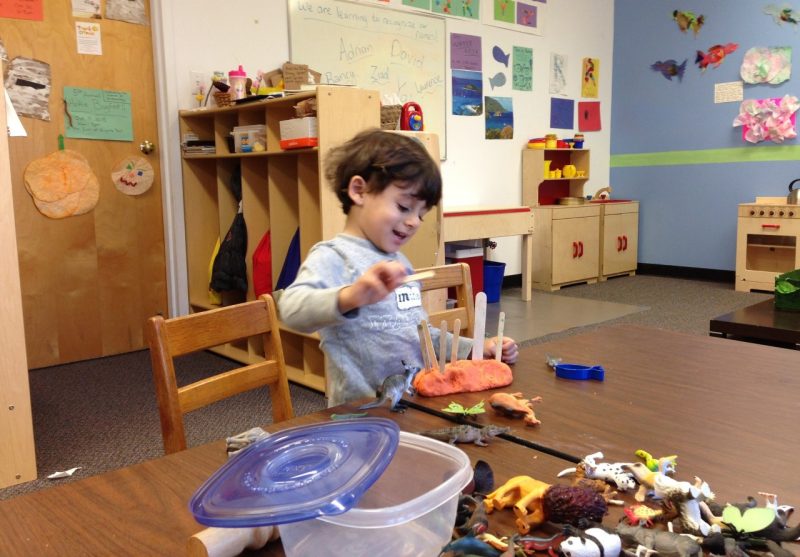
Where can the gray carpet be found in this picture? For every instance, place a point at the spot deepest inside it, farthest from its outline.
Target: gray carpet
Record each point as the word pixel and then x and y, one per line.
pixel 101 414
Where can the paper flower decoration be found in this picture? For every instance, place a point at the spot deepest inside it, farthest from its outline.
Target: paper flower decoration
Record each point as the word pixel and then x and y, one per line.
pixel 771 119
pixel 763 64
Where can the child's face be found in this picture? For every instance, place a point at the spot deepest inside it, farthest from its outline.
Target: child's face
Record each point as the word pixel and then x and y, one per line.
pixel 388 219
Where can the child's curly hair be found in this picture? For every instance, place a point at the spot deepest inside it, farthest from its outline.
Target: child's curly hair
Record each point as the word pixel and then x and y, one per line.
pixel 382 158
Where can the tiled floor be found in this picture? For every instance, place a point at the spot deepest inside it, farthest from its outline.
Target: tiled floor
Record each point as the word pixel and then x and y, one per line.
pixel 547 313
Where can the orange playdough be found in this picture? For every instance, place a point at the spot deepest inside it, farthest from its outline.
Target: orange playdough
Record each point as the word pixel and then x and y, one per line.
pixel 463 376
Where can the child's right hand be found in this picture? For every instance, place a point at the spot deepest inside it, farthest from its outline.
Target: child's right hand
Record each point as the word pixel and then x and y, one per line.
pixel 373 286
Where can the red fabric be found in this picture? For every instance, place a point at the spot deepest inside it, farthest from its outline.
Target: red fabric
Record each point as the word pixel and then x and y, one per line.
pixel 262 267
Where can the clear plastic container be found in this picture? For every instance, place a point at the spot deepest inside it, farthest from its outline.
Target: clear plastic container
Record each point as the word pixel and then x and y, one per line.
pixel 409 511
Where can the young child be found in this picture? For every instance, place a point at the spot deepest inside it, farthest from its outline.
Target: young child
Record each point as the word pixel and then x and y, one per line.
pixel 351 288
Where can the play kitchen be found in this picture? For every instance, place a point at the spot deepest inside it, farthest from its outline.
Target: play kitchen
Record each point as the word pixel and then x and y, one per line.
pixel 767 240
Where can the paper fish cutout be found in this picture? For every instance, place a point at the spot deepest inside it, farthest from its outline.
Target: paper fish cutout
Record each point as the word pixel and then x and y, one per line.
pixel 498 80
pixel 670 68
pixel 783 14
pixel 500 56
pixel 687 20
pixel 715 55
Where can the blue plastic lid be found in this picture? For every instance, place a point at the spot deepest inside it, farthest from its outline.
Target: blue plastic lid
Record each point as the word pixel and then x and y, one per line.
pixel 297 474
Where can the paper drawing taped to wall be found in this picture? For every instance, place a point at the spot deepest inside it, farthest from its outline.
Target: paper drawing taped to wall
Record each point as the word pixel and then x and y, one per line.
pixel 499 117
pixel 558 74
pixel 131 11
pixel 526 16
pixel 467 93
pixel 28 86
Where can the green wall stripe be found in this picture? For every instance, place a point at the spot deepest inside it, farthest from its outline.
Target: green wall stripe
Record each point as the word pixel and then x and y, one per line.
pixel 708 156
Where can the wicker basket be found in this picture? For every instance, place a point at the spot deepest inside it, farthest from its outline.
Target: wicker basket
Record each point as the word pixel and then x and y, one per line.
pixel 222 99
pixel 390 116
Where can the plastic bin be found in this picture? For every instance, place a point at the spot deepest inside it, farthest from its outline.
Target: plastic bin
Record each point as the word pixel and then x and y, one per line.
pixel 457 253
pixel 493 272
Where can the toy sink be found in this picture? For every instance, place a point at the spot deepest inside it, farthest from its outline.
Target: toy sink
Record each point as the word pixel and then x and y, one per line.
pixel 357 487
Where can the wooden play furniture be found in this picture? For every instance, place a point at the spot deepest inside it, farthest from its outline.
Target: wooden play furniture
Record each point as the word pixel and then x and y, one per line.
pixel 473 223
pixel 759 322
pixel 454 276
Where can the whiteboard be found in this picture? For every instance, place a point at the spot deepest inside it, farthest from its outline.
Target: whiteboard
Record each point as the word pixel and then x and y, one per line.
pixel 401 54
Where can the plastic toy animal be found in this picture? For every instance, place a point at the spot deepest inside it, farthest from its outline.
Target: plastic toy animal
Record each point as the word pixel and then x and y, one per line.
pixel 594 542
pixel 535 501
pixel 666 544
pixel 514 405
pixel 393 388
pixel 466 434
pixel 613 473
pixel 684 495
pixel 469 545
pixel 670 462
pixel 642 515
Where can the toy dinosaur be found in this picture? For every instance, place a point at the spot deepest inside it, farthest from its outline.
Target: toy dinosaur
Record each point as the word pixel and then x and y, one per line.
pixel 466 434
pixel 666 544
pixel 393 388
pixel 535 501
pixel 514 406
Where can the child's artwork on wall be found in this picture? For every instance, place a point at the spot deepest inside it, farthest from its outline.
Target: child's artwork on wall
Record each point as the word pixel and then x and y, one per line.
pixel 86 9
pixel 132 175
pixel 526 16
pixel 3 54
pixel 558 73
pixel 465 52
pixel 500 55
pixel 763 64
pixel 499 117
pixel 783 13
pixel 589 116
pixel 715 55
pixel 768 119
pixel 688 20
pixel 467 93
pixel 590 76
pixel 131 11
pixel 522 73
pixel 30 9
pixel 562 113
pixel 28 86
pixel 467 9
pixel 670 68
pixel 497 80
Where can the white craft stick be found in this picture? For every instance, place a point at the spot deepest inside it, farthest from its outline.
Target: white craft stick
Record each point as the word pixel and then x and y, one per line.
pixel 422 346
pixel 442 344
pixel 501 323
pixel 454 342
pixel 418 276
pixel 480 326
pixel 429 345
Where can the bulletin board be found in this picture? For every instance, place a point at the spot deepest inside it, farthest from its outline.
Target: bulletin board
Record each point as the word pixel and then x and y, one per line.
pixel 401 54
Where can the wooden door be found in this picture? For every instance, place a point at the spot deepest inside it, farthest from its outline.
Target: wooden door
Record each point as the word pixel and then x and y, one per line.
pixel 89 281
pixel 576 249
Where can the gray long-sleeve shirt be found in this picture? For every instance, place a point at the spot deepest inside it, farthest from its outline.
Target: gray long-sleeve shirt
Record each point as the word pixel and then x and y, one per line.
pixel 366 345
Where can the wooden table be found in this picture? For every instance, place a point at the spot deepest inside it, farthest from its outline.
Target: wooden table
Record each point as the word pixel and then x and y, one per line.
pixel 760 322
pixel 477 223
pixel 728 409
pixel 143 509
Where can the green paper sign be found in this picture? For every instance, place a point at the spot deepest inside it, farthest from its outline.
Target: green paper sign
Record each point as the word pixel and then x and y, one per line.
pixel 523 69
pixel 97 114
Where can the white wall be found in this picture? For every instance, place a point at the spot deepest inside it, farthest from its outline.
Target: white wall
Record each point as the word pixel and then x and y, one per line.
pixel 205 35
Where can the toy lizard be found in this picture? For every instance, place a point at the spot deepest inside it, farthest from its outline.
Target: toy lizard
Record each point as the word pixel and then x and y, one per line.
pixel 514 405
pixel 393 388
pixel 466 434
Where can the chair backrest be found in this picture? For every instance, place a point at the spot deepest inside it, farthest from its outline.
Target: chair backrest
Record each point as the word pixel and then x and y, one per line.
pixel 454 276
pixel 169 338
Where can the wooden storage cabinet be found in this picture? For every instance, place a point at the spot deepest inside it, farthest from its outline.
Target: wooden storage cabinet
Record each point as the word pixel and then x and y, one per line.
pixel 566 245
pixel 540 190
pixel 620 225
pixel 282 191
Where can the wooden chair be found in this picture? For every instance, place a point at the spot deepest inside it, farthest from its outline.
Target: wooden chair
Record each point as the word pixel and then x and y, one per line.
pixel 169 338
pixel 452 276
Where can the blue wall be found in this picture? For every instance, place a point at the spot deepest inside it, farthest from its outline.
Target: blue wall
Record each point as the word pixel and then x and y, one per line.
pixel 688 211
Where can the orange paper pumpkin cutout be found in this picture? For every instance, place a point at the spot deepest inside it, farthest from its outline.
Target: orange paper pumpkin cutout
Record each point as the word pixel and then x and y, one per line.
pixel 62 184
